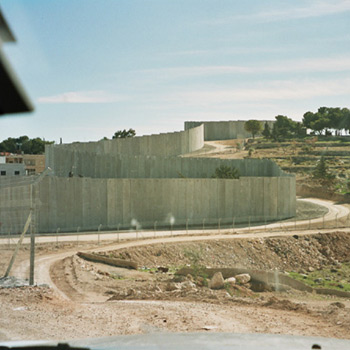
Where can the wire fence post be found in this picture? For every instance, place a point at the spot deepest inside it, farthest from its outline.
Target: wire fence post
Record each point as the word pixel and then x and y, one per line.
pixel 219 222
pixel 57 234
pixel 98 234
pixel 155 228
pixel 249 222
pixel 203 224
pixel 187 226
pixel 233 223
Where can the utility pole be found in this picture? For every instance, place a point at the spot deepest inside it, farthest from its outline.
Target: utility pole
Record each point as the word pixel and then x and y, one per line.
pixel 32 236
pixel 33 226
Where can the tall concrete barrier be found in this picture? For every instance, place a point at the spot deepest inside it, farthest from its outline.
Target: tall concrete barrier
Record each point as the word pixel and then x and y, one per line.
pixel 224 130
pixel 143 182
pixel 127 166
pixel 69 203
pixel 169 144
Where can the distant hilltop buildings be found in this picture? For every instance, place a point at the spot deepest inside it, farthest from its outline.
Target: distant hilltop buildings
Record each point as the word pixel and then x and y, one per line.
pixel 21 164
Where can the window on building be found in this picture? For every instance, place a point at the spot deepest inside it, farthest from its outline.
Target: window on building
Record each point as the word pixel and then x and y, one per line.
pixel 16 172
pixel 3 173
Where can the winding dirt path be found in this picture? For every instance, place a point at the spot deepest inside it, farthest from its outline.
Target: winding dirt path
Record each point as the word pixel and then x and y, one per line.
pixel 43 263
pixel 78 317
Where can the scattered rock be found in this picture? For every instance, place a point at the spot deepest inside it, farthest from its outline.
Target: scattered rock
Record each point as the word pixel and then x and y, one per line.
pixel 172 286
pixel 243 278
pixel 338 305
pixel 188 285
pixel 311 269
pixel 201 281
pixel 230 280
pixel 162 269
pixel 217 281
pixel 318 280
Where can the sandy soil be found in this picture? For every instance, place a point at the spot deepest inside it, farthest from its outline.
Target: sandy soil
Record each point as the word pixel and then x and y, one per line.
pixel 105 300
pixel 36 313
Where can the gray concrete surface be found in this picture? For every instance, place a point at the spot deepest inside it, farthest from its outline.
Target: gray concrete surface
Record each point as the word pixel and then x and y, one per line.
pixel 168 144
pixel 138 182
pixel 85 203
pixel 224 130
pixel 128 166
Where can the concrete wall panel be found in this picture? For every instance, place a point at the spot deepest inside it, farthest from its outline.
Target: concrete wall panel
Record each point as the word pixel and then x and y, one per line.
pixel 223 130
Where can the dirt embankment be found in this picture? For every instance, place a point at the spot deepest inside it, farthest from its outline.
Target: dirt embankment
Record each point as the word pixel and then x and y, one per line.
pixel 295 253
pixel 143 301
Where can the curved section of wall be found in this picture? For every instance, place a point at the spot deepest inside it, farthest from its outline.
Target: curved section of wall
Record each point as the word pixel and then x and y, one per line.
pixel 224 130
pixel 169 144
pixel 69 203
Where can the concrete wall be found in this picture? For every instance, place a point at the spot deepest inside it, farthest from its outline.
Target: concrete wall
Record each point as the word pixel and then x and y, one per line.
pixel 15 204
pixel 124 166
pixel 68 203
pixel 169 144
pixel 224 130
pixel 140 181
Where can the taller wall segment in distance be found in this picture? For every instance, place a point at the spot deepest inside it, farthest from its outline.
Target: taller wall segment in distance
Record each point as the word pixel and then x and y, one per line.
pixel 224 130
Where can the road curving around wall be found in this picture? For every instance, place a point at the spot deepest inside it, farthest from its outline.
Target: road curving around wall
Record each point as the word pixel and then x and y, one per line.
pixel 43 263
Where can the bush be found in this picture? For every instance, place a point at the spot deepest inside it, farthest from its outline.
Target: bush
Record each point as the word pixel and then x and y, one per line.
pixel 226 172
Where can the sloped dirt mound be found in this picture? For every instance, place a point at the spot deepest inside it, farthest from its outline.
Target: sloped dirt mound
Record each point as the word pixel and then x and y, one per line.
pixel 284 253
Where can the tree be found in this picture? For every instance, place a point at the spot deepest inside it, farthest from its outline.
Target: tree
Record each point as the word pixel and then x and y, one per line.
pixel 24 144
pixel 122 134
pixel 266 132
pixel 322 173
pixel 226 172
pixel 253 126
pixel 284 127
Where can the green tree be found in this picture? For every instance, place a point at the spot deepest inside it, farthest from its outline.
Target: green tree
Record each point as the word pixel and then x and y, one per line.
pixel 345 119
pixel 322 173
pixel 284 127
pixel 226 172
pixel 24 144
pixel 253 126
pixel 122 134
pixel 266 132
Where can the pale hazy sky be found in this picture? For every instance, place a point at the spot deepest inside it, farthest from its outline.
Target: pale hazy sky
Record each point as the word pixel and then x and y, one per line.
pixel 92 67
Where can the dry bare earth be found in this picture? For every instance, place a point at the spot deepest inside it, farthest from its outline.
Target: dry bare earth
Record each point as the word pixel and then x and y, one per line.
pixel 147 303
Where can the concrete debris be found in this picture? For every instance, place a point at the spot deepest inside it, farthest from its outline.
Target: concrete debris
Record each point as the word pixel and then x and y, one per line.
pixel 13 282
